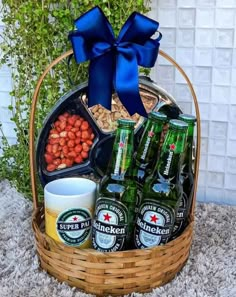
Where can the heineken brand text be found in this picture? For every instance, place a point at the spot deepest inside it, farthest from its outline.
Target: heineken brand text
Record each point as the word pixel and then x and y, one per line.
pixel 169 159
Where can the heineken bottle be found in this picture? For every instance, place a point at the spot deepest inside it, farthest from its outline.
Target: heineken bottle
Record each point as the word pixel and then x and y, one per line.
pixel 187 179
pixel 162 191
pixel 147 152
pixel 114 216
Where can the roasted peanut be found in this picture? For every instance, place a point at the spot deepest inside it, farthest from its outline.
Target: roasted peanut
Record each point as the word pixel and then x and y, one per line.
pixel 70 136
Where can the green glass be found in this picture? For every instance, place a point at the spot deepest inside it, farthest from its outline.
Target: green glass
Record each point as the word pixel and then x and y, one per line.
pixel 114 217
pixel 147 152
pixel 187 179
pixel 162 191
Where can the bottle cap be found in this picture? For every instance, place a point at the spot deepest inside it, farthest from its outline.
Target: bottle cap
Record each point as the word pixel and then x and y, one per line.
pixel 126 122
pixel 154 115
pixel 178 125
pixel 188 118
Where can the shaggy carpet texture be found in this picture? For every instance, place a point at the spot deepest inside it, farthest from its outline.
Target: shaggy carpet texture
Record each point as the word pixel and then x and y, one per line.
pixel 210 270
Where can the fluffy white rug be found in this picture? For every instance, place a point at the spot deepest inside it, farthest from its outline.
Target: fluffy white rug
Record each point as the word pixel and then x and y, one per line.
pixel 210 270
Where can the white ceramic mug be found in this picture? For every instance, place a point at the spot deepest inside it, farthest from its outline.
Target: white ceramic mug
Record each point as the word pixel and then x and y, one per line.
pixel 69 208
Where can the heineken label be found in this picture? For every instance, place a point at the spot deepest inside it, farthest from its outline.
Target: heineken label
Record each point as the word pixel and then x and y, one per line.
pixel 169 159
pixel 180 216
pixel 109 225
pixel 147 144
pixel 153 225
pixel 74 226
pixel 119 170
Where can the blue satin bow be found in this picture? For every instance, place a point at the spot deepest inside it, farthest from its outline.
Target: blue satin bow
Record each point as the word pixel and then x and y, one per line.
pixel 114 61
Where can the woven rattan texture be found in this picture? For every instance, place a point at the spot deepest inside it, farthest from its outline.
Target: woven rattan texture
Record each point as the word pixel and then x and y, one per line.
pixel 114 273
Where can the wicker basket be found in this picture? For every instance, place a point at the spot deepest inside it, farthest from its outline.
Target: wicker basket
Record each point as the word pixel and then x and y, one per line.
pixel 116 273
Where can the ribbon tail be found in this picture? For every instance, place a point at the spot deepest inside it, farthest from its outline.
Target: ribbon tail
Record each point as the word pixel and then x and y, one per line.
pixel 100 85
pixel 127 83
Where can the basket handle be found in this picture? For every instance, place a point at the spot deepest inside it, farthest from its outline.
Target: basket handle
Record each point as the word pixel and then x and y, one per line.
pixel 32 120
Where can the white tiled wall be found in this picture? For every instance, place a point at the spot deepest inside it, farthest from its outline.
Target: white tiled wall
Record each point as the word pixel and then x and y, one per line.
pixel 201 36
pixel 5 99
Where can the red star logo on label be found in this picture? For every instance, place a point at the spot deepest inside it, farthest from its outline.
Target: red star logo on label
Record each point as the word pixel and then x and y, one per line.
pixel 121 144
pixel 172 146
pixel 150 133
pixel 154 218
pixel 75 219
pixel 107 217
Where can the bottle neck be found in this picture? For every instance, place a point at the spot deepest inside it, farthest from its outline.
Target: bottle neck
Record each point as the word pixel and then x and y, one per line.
pixel 149 143
pixel 122 154
pixel 171 153
pixel 188 152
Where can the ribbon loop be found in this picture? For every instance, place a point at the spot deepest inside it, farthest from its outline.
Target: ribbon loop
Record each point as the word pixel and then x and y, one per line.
pixel 114 62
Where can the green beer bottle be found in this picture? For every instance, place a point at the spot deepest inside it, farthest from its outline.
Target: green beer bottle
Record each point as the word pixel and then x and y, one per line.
pixel 162 191
pixel 187 179
pixel 147 152
pixel 114 216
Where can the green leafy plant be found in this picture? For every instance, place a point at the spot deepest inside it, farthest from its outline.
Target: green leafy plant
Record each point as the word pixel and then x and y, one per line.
pixel 35 33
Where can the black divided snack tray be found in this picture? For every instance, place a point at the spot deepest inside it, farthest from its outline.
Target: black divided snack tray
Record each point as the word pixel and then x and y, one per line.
pixel 100 152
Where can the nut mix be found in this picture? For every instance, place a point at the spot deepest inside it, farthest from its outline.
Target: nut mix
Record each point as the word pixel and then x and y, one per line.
pixel 69 142
pixel 107 120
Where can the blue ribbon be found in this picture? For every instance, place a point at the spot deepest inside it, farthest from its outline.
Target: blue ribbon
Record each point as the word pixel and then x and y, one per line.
pixel 114 61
